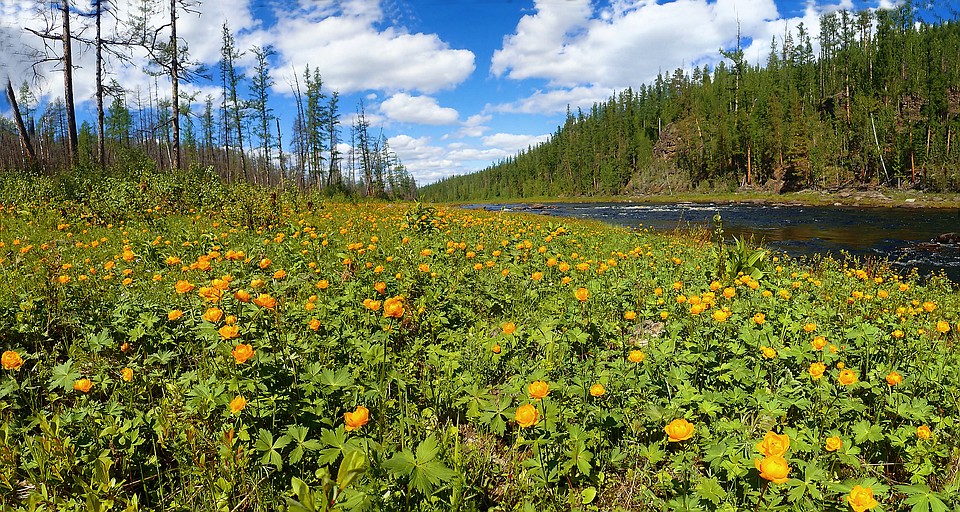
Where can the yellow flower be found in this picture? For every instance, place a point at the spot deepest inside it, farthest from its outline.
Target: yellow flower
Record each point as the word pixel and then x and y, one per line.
pixel 172 260
pixel 280 274
pixel 816 370
pixel 636 356
pixel 630 315
pixel 894 378
pixel 83 385
pixel 314 324
pixel 720 315
pixel 861 498
pixel 679 430
pixel 597 390
pixel 847 377
pixel 356 419
pixel 774 444
pixel 768 352
pixel 810 327
pixel 898 334
pixel 393 307
pixel 174 315
pixel 833 444
pixel 237 404
pixel 229 332
pixel 183 286
pixel 943 327
pixel 264 263
pixel 372 305
pixel 213 315
pixel 242 352
pixel 929 306
pixel 819 342
pixel 581 294
pixel 242 295
pixel 323 284
pixel 127 374
pixel 538 389
pixel 509 328
pixel 759 318
pixel 773 468
pixel 924 433
pixel 527 416
pixel 264 300
pixel 11 360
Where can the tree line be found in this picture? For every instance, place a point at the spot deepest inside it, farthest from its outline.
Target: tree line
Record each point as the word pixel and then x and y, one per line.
pixel 236 134
pixel 878 104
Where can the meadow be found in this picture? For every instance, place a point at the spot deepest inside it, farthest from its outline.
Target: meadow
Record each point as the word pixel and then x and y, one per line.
pixel 237 349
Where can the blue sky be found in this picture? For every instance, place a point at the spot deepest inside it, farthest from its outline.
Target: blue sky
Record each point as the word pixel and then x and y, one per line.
pixel 455 84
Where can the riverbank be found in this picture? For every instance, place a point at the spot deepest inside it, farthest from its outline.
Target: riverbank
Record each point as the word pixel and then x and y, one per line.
pixel 880 197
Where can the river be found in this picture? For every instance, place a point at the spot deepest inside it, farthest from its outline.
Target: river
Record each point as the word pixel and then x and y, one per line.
pixel 902 235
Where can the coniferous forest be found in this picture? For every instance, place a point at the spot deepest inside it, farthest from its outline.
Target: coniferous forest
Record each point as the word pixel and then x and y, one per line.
pixel 879 104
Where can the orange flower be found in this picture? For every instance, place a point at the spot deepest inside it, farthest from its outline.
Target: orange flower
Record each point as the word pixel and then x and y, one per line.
pixel 174 315
pixel 280 274
pixel 581 294
pixel 818 342
pixel 356 419
pixel 774 444
pixel 210 293
pixel 380 287
pixel 172 260
pixel 183 286
pixel 213 315
pixel 759 318
pixel 924 433
pixel 11 360
pixel 228 332
pixel 527 416
pixel 237 404
pixel 83 385
pixel 810 327
pixel 509 328
pixel 323 284
pixel 773 468
pixel 861 498
pixel 265 301
pixel 679 430
pixel 264 263
pixel 314 324
pixel 538 389
pixel 894 378
pixel 597 390
pixel 242 352
pixel 372 305
pixel 816 370
pixel 636 356
pixel 496 348
pixel 847 377
pixel 127 374
pixel 834 443
pixel 943 327
pixel 929 306
pixel 630 315
pixel 393 307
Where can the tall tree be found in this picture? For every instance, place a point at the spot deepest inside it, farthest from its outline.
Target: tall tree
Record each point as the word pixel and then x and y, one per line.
pixel 260 91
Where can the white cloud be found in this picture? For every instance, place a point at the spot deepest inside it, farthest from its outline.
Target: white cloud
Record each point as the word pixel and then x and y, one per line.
pixel 569 44
pixel 511 142
pixel 353 54
pixel 474 126
pixel 556 100
pixel 405 108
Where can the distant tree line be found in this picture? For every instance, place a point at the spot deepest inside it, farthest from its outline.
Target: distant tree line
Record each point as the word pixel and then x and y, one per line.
pixel 236 133
pixel 879 104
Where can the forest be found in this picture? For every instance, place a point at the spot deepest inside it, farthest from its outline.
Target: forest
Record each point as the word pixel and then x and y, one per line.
pixel 236 135
pixel 878 105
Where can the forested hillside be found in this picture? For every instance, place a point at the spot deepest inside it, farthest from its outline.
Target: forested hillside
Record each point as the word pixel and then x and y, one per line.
pixel 878 104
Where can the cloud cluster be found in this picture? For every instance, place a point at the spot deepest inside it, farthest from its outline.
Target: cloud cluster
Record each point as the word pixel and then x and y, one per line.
pixel 404 108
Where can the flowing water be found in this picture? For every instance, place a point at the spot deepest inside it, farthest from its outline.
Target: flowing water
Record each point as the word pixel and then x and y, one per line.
pixel 904 236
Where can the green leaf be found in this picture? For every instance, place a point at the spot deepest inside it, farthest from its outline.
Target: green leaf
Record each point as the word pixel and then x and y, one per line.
pixel 922 499
pixel 339 379
pixel 63 376
pixel 588 495
pixel 304 501
pixel 709 489
pixel 354 464
pixel 265 443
